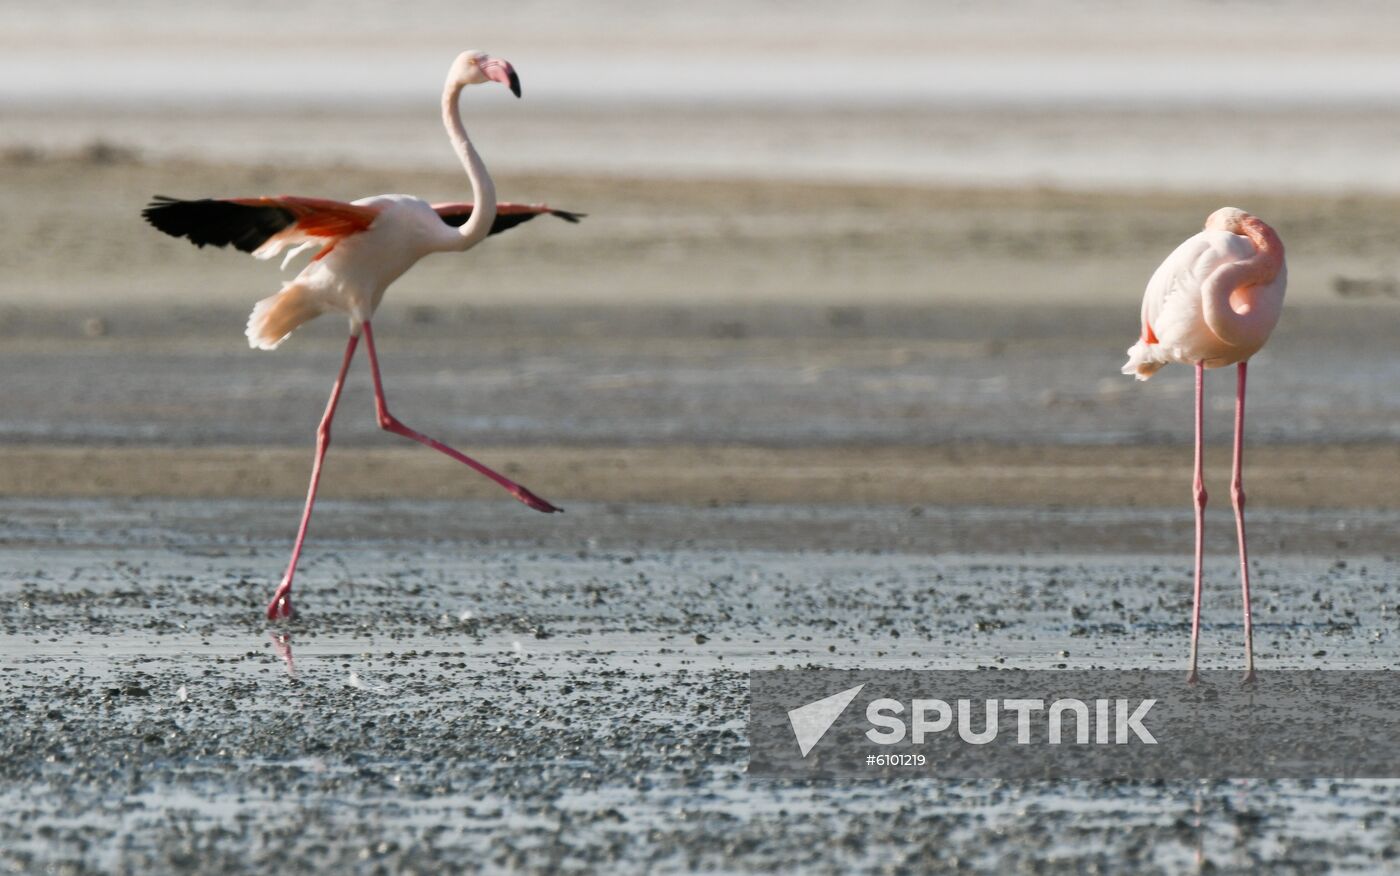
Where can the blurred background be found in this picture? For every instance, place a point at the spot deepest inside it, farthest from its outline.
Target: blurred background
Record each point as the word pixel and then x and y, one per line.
pixel 910 225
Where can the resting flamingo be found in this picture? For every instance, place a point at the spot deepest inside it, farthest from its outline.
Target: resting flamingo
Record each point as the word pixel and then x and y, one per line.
pixel 363 247
pixel 1213 303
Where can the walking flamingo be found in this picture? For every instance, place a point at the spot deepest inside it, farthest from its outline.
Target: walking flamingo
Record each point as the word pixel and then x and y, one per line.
pixel 363 247
pixel 1212 303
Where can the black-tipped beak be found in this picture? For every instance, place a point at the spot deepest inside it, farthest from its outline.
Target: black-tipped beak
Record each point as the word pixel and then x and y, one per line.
pixel 501 71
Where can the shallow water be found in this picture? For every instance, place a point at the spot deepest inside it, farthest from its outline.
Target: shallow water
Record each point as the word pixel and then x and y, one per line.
pixel 571 704
pixel 649 376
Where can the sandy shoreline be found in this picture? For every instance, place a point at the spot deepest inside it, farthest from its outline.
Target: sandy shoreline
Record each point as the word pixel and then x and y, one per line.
pixel 660 241
pixel 1336 477
pixel 691 343
pixel 826 344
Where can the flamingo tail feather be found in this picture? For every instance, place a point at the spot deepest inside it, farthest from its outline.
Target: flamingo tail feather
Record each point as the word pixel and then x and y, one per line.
pixel 1145 360
pixel 277 316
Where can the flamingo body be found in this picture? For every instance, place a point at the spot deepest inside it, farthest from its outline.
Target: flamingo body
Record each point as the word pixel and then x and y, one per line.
pixel 352 274
pixel 364 246
pixel 1175 320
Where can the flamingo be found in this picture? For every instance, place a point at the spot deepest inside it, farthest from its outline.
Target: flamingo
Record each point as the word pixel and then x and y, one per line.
pixel 1213 303
pixel 363 246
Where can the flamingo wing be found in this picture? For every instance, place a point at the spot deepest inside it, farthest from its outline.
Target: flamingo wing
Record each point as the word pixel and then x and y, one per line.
pixel 261 226
pixel 1171 306
pixel 507 215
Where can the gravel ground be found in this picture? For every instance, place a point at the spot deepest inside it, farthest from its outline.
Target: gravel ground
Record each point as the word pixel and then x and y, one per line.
pixel 457 697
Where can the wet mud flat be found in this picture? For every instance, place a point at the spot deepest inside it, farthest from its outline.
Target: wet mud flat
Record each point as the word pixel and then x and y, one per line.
pixel 465 692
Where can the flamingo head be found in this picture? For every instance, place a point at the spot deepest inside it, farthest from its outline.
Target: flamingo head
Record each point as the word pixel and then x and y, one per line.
pixel 474 68
pixel 1229 219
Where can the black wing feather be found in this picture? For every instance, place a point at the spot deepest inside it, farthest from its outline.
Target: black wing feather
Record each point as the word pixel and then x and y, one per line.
pixel 505 222
pixel 568 215
pixel 208 221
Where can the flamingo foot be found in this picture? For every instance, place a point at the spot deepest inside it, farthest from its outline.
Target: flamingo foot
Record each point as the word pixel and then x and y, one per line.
pixel 1192 677
pixel 534 501
pixel 1249 677
pixel 280 608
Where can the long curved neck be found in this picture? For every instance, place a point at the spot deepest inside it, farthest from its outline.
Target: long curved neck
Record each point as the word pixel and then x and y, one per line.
pixel 1234 307
pixel 475 229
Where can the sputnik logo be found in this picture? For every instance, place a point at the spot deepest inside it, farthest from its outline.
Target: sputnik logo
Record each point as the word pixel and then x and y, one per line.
pixel 810 722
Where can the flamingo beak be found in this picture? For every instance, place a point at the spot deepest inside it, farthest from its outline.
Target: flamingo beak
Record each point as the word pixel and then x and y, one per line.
pixel 501 71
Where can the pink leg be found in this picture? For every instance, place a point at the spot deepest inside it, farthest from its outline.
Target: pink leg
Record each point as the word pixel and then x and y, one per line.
pixel 1200 496
pixel 1237 494
pixel 389 423
pixel 281 604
